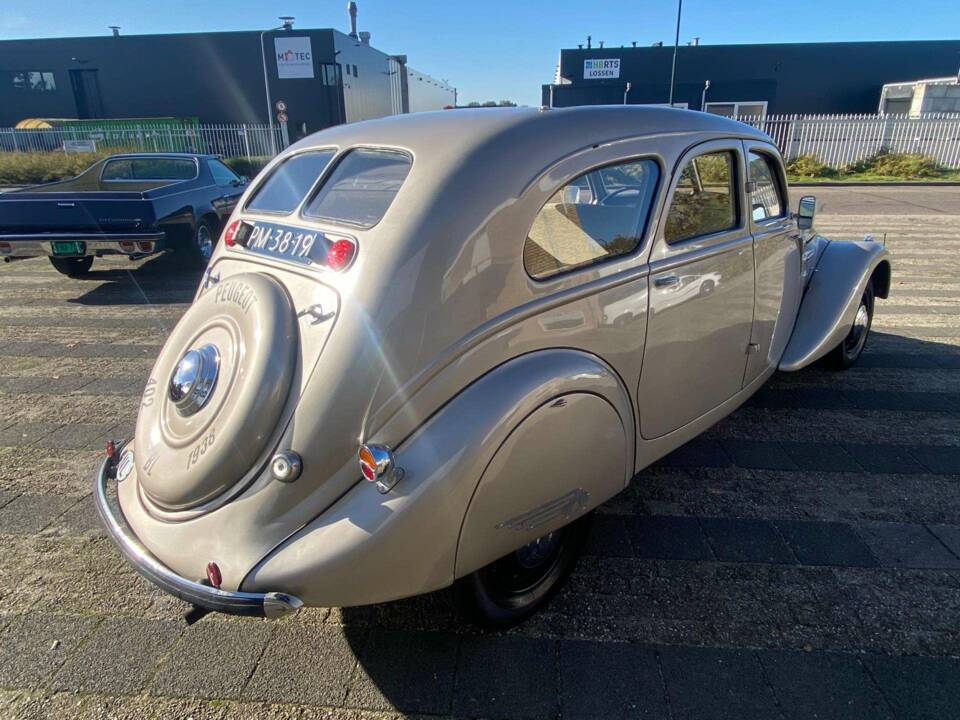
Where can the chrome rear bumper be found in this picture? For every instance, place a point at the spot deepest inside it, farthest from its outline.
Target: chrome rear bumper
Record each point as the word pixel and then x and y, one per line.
pixel 271 604
pixel 23 245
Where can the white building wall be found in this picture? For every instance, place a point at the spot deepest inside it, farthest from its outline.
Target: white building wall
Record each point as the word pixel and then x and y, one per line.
pixel 366 75
pixel 428 93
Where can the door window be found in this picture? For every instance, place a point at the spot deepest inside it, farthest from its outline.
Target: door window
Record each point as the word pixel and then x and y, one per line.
pixel 705 199
pixel 222 175
pixel 766 200
pixel 598 215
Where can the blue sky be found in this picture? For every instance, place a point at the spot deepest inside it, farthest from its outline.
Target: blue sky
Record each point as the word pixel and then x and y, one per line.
pixel 494 49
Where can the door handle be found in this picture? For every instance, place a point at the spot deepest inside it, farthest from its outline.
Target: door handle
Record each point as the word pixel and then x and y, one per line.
pixel 666 281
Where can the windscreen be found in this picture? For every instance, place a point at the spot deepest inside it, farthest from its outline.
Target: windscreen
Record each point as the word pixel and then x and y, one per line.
pixel 289 183
pixel 361 187
pixel 149 169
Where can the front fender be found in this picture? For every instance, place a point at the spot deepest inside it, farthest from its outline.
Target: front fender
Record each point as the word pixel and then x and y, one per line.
pixel 371 548
pixel 830 302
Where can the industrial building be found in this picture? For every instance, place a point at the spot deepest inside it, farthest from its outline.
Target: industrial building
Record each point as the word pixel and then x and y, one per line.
pixel 788 78
pixel 311 79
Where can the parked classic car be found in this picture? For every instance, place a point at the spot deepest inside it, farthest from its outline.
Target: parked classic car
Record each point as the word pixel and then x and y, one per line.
pixel 133 205
pixel 429 346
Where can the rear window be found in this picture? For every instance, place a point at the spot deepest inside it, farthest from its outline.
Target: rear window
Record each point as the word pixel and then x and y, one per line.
pixel 289 183
pixel 149 169
pixel 361 187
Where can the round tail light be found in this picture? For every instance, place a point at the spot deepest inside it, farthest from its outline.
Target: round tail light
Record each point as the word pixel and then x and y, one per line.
pixel 340 254
pixel 230 233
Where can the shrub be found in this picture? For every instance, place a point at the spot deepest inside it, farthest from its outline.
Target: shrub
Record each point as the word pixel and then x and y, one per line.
pixel 897 165
pixel 249 167
pixel 809 166
pixel 31 168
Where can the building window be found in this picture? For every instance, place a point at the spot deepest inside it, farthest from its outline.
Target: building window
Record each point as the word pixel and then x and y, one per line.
pixel 757 108
pixel 32 80
pixel 705 199
pixel 599 215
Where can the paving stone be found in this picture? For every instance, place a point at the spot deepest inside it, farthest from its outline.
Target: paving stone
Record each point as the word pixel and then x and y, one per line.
pixel 821 457
pixel 212 659
pixel 610 680
pixel 697 453
pixel 608 537
pixel 663 537
pixel 406 671
pixel 918 688
pixel 907 545
pixel 14 385
pixel 29 514
pixel 23 434
pixel 826 543
pixel 506 677
pixel 949 535
pixel 900 401
pixel 33 646
pixel 742 540
pixel 941 460
pixel 119 657
pixel 758 454
pixel 806 397
pixel 716 684
pixel 312 664
pixel 826 686
pixel 876 458
pixel 77 436
pixel 81 519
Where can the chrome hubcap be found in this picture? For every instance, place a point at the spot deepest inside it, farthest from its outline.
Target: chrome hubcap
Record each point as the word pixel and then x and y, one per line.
pixel 532 554
pixel 204 241
pixel 859 328
pixel 194 378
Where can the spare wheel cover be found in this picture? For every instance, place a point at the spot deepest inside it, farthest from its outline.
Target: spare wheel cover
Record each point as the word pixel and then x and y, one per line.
pixel 186 456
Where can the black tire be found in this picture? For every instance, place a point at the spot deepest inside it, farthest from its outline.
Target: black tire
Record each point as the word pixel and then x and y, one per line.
pixel 72 267
pixel 199 247
pixel 509 590
pixel 846 354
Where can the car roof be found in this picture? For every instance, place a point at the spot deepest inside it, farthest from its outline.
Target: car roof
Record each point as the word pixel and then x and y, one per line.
pixel 176 155
pixel 566 129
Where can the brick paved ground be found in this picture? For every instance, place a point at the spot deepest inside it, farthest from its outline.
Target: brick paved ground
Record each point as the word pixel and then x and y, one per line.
pixel 800 560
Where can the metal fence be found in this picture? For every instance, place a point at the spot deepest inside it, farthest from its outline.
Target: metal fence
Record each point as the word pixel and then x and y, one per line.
pixel 839 140
pixel 229 140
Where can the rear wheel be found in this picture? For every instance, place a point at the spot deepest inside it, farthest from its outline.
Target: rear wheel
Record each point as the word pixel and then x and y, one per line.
pixel 72 267
pixel 200 246
pixel 847 353
pixel 509 590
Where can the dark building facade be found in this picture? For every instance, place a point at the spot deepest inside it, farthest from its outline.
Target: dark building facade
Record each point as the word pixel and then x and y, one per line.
pixel 791 78
pixel 324 77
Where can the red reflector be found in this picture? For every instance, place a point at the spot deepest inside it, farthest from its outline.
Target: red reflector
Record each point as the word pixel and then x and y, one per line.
pixel 111 449
pixel 229 233
pixel 128 245
pixel 340 254
pixel 213 575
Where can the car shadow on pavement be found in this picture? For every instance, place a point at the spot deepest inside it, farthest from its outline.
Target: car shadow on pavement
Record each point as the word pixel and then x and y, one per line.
pixel 160 280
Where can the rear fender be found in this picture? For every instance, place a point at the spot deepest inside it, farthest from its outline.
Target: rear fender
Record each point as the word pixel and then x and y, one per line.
pixel 371 548
pixel 830 302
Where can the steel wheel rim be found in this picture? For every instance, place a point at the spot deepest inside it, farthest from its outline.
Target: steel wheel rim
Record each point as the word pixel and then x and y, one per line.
pixel 858 333
pixel 204 241
pixel 520 572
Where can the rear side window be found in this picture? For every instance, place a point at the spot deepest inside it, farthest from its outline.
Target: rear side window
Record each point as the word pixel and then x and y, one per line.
pixel 705 201
pixel 149 169
pixel 765 200
pixel 599 215
pixel 287 185
pixel 361 187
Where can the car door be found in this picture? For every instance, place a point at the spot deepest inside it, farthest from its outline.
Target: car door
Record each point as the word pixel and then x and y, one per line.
pixel 777 259
pixel 229 188
pixel 701 292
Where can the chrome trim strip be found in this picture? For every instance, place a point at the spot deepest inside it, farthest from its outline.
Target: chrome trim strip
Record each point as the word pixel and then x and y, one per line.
pixel 85 236
pixel 271 604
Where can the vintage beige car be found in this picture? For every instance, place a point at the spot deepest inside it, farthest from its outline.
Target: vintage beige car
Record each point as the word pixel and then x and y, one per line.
pixel 428 347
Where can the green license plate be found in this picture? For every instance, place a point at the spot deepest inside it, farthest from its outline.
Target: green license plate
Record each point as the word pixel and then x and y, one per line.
pixel 73 247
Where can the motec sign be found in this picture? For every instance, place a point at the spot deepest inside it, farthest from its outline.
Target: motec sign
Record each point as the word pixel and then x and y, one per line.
pixel 606 69
pixel 294 57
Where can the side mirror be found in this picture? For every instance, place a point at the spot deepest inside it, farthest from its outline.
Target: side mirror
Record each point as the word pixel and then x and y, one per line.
pixel 806 211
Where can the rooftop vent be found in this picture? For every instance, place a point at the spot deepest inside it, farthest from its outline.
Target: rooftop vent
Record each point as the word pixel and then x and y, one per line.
pixel 352 9
pixel 116 30
pixel 287 21
pixel 364 37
